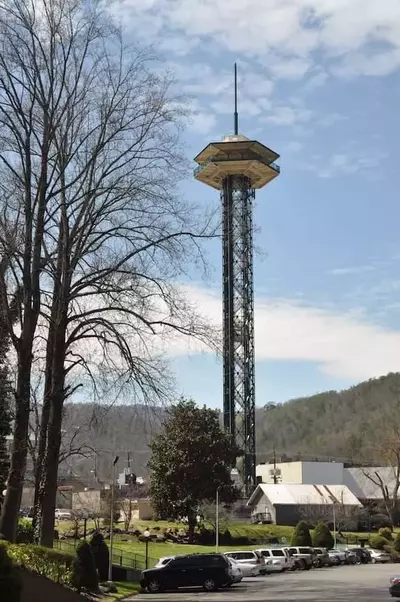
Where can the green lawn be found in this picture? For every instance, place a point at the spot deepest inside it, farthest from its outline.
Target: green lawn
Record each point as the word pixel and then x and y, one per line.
pixel 125 590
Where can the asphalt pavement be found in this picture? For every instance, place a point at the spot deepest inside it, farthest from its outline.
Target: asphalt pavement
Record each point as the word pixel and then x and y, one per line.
pixel 335 584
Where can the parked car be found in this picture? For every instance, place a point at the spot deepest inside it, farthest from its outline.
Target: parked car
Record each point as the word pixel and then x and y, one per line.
pixel 163 561
pixel 210 571
pixel 394 588
pixel 321 558
pixel 363 555
pixel 276 560
pixel 246 569
pixel 351 558
pixel 237 571
pixel 249 557
pixel 337 556
pixel 303 557
pixel 379 556
pixel 62 514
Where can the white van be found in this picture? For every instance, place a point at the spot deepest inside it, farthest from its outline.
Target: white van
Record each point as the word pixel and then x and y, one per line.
pixel 276 559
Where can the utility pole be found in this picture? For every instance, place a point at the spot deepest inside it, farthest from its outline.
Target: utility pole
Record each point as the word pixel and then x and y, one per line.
pixel 275 475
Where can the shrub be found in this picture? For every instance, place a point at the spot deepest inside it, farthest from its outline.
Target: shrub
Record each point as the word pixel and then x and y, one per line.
pixel 84 574
pixel 101 555
pixel 10 579
pixel 386 532
pixel 301 535
pixel 24 531
pixel 322 537
pixel 396 544
pixel 49 563
pixel 378 542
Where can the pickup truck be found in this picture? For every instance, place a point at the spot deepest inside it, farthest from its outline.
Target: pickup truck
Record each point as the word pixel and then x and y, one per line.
pixel 303 557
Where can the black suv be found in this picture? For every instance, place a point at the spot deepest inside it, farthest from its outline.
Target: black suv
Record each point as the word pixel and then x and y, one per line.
pixel 208 570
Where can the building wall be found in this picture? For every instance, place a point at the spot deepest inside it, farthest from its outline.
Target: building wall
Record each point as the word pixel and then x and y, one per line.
pixel 262 506
pixel 308 473
pixel 145 510
pixel 291 472
pixel 87 500
pixel 322 473
pixel 287 514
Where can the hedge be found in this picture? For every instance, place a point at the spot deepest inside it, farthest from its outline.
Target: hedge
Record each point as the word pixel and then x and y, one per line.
pixel 46 562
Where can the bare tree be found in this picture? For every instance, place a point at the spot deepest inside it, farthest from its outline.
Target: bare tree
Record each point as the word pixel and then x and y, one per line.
pixel 208 516
pixel 386 480
pixel 111 236
pixel 337 513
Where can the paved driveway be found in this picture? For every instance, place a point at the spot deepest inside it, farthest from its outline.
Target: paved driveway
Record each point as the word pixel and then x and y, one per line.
pixel 336 584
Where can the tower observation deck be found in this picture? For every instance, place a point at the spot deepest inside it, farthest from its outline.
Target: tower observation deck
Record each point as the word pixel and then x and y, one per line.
pixel 236 167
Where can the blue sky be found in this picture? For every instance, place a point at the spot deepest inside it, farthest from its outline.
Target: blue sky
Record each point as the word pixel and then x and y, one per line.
pixel 319 83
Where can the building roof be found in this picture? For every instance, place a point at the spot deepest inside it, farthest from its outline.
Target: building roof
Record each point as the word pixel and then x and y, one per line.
pixel 299 494
pixel 361 481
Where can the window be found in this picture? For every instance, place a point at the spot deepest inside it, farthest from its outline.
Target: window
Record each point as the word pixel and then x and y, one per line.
pixel 277 553
pixel 180 563
pixel 266 553
pixel 305 551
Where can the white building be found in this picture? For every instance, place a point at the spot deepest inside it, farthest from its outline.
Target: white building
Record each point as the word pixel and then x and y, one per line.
pixel 330 473
pixel 286 504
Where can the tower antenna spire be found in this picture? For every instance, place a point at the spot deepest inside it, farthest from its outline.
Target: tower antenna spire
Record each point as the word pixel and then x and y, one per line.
pixel 236 116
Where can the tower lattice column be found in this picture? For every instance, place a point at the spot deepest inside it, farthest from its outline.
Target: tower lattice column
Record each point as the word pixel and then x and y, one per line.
pixel 237 197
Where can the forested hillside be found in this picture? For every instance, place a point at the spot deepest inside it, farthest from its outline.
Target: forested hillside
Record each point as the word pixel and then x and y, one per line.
pixel 345 425
pixel 350 424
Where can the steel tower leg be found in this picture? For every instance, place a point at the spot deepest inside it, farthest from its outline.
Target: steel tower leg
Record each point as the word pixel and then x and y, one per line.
pixel 238 320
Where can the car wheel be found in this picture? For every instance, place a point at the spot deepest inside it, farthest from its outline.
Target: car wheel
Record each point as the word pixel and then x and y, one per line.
pixel 154 586
pixel 373 561
pixel 302 564
pixel 209 585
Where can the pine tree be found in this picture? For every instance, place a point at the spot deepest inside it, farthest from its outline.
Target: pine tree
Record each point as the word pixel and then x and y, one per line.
pixel 301 534
pixel 322 537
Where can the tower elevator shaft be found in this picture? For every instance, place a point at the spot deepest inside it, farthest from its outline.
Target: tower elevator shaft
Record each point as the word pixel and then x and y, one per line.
pixel 237 196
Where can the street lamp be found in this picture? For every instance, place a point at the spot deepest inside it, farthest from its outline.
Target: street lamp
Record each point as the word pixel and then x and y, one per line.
pixel 114 465
pixel 217 519
pixel 147 536
pixel 334 523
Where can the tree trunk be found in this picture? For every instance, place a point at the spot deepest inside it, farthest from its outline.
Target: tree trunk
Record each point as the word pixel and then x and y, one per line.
pixel 12 500
pixel 191 527
pixel 44 421
pixel 48 490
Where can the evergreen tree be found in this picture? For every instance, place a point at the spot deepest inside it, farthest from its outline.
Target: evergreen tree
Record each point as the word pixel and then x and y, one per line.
pixel 322 537
pixel 301 534
pixel 101 555
pixel 190 459
pixel 84 572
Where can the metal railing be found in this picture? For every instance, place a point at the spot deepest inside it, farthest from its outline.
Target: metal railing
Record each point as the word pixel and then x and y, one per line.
pixel 120 557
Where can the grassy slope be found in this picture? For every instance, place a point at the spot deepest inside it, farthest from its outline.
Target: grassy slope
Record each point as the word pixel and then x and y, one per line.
pixel 125 590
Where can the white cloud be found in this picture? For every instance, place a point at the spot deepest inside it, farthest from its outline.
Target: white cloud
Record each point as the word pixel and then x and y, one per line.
pixel 294 146
pixel 345 164
pixel 350 270
pixel 202 123
pixel 344 345
pixel 363 35
pixel 291 68
pixel 287 115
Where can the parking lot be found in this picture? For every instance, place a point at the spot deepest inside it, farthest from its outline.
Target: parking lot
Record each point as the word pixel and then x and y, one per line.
pixel 336 584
